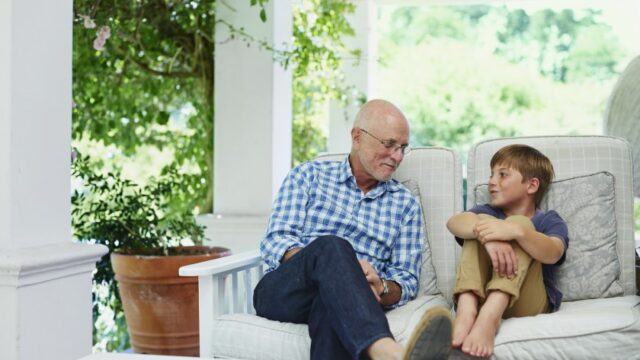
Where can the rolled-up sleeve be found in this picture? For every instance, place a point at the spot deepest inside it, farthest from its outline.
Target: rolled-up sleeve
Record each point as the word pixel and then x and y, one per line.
pixel 406 257
pixel 287 219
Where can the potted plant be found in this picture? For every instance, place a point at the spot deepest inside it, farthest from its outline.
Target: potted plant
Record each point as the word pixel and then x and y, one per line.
pixel 147 244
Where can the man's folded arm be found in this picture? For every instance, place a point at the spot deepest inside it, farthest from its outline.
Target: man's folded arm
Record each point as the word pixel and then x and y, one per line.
pixel 406 257
pixel 287 219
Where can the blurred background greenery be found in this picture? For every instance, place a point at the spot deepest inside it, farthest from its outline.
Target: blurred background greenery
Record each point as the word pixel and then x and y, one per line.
pixel 468 73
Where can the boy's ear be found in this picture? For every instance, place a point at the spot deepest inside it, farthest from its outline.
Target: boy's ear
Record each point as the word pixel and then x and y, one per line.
pixel 534 185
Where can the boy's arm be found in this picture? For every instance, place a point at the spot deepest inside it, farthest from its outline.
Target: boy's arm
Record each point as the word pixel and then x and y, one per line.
pixel 546 249
pixel 543 248
pixel 463 224
pixel 503 258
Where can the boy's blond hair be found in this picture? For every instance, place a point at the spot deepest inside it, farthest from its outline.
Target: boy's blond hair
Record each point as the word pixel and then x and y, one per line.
pixel 530 162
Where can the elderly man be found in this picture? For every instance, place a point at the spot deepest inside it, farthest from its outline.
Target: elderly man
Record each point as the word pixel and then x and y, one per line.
pixel 344 243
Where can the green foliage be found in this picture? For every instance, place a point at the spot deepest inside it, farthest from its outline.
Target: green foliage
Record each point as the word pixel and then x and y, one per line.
pixel 493 71
pixel 157 63
pixel 308 141
pixel 568 45
pixel 435 22
pixel 152 84
pixel 595 55
pixel 127 218
pixel 450 102
pixel 320 27
pixel 263 12
pixel 318 33
pixel 564 44
pixel 110 328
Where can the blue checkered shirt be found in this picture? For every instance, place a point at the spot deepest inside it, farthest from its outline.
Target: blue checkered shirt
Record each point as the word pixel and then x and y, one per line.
pixel 322 198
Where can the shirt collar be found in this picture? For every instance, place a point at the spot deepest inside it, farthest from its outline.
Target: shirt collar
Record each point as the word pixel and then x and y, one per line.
pixel 345 173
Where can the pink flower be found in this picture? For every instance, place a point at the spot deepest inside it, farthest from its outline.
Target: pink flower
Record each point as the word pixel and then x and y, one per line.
pixel 88 22
pixel 103 34
pixel 98 44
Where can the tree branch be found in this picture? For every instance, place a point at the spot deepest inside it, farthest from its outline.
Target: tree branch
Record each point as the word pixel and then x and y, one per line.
pixel 148 69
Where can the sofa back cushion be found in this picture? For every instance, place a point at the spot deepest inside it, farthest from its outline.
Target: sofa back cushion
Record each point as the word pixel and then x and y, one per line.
pixel 587 204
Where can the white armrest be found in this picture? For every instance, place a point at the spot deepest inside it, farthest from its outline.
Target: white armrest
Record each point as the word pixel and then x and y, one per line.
pixel 223 265
pixel 225 285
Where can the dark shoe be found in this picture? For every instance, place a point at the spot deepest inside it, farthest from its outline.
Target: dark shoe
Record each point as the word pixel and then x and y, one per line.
pixel 431 339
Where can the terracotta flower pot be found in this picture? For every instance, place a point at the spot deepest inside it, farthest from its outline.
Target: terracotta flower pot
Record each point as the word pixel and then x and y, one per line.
pixel 161 307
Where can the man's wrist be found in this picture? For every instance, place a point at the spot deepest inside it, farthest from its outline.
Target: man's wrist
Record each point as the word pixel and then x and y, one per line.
pixel 385 287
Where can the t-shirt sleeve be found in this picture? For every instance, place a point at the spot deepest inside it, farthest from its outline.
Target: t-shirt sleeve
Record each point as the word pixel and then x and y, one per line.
pixel 553 225
pixel 485 209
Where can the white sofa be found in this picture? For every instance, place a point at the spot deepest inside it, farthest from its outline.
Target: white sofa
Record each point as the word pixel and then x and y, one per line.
pixel 606 323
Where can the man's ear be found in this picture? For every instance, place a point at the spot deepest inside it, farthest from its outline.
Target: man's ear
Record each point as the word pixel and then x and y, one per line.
pixel 355 136
pixel 534 185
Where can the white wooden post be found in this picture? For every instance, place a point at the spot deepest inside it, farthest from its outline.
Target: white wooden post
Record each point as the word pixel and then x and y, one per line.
pixel 360 74
pixel 45 279
pixel 252 141
pixel 253 110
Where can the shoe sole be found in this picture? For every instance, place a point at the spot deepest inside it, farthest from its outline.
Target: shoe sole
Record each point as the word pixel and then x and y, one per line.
pixel 431 339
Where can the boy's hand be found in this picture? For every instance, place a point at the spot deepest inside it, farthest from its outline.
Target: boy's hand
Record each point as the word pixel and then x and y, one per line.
pixel 503 258
pixel 496 230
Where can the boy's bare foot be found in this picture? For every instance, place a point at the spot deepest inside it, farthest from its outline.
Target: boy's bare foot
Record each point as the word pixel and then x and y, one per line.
pixel 465 317
pixel 481 339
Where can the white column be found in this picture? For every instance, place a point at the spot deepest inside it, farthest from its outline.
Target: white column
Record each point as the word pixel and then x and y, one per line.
pixel 45 279
pixel 252 110
pixel 361 75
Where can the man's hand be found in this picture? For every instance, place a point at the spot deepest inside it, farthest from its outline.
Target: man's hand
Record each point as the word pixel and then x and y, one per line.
pixel 372 278
pixel 503 258
pixel 496 230
pixel 287 255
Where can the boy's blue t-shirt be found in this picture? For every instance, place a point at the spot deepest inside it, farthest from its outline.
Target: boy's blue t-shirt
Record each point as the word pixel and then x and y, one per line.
pixel 551 224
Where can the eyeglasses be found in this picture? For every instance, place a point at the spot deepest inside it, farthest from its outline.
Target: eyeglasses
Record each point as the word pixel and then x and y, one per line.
pixel 390 144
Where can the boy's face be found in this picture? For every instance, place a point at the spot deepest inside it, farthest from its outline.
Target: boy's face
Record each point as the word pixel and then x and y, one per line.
pixel 507 190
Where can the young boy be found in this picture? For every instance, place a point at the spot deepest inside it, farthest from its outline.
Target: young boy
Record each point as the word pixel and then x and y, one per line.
pixel 510 248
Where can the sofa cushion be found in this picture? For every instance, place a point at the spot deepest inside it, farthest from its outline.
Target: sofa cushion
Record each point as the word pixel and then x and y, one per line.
pixel 592 268
pixel 586 203
pixel 428 279
pixel 586 329
pixel 245 336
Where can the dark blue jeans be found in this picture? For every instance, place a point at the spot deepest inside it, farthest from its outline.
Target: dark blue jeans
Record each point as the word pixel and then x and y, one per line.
pixel 324 286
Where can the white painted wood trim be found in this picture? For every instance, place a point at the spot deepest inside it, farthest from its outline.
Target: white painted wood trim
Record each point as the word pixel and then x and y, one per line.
pixel 222 265
pixel 32 265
